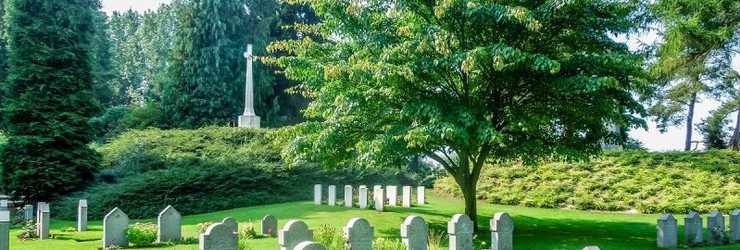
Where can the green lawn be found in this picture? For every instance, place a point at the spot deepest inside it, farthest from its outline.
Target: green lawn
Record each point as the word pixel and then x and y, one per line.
pixel 535 228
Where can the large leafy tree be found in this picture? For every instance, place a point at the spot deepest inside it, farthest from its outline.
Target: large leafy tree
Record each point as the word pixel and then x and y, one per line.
pixel 48 98
pixel 463 82
pixel 208 67
pixel 700 38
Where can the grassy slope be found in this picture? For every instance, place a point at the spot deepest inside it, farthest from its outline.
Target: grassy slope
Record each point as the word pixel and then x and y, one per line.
pixel 535 228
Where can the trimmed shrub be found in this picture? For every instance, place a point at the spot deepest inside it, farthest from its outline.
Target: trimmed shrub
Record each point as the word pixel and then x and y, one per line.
pixel 675 182
pixel 142 234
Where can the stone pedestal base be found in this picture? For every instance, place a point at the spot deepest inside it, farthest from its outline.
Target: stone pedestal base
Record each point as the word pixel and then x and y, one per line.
pixel 249 121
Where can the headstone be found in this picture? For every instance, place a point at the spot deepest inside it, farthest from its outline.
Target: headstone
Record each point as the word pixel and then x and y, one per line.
pixel 294 232
pixel 406 196
pixel 377 187
pixel 379 200
pixel 38 217
pixel 249 119
pixel 502 232
pixel 348 196
pixel 309 245
pixel 415 233
pixel 694 229
pixel 219 236
pixel 363 197
pixel 667 231
pixel 169 225
pixel 29 212
pixel 4 205
pixel 43 224
pixel 4 230
pixel 591 248
pixel 114 229
pixel 269 225
pixel 420 195
pixel 735 226
pixel 317 194
pixel 460 230
pixel 359 234
pixel 716 227
pixel 332 195
pixel 231 223
pixel 82 216
pixel 392 195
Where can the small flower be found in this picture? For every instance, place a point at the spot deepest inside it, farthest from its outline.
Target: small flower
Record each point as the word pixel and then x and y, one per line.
pixel 482 243
pixel 475 236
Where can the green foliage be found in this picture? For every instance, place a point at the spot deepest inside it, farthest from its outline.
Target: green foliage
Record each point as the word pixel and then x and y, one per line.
pixel 675 182
pixel 119 119
pixel 202 227
pixel 388 244
pixel 69 229
pixel 329 237
pixel 462 82
pixel 48 98
pixel 29 231
pixel 249 231
pixel 142 234
pixel 229 167
pixel 207 63
pixel 715 131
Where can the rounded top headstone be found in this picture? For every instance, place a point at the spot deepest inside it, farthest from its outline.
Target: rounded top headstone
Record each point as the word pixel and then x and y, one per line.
pixel 460 224
pixel 219 229
pixel 295 225
pixel 231 223
pixel 413 222
pixel 309 245
pixel 502 222
pixel 359 229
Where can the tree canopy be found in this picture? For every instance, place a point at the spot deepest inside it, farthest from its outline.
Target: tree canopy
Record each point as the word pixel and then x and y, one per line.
pixel 462 82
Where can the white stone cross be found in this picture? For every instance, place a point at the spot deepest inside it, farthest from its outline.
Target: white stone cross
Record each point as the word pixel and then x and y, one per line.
pixel 249 119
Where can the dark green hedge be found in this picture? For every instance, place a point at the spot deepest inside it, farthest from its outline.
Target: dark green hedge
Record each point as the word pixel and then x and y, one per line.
pixel 618 181
pixel 205 170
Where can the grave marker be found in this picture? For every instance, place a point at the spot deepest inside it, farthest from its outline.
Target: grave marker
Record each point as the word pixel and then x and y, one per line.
pixel 317 194
pixel 348 196
pixel 502 232
pixel 415 233
pixel 269 225
pixel 114 229
pixel 332 195
pixel 169 225
pixel 363 197
pixel 43 224
pixel 460 230
pixel 309 245
pixel 716 228
pixel 4 230
pixel 735 226
pixel 667 231
pixel 420 195
pixel 294 232
pixel 392 195
pixel 379 200
pixel 694 229
pixel 29 212
pixel 82 216
pixel 359 234
pixel 219 236
pixel 406 200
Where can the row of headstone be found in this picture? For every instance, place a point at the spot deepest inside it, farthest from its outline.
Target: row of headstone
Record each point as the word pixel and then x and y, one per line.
pixel 225 235
pixel 694 229
pixel 115 223
pixel 391 193
pixel 359 234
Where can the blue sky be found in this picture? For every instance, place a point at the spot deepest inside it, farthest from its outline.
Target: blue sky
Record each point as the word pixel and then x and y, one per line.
pixel 653 139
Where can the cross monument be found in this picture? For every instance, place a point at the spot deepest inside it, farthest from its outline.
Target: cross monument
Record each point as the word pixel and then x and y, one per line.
pixel 249 119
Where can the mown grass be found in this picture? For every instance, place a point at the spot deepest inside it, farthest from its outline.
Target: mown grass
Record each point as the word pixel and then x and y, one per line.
pixel 648 182
pixel 536 228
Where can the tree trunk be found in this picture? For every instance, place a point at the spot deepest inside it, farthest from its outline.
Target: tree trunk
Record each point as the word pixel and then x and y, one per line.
pixel 469 189
pixel 689 122
pixel 735 141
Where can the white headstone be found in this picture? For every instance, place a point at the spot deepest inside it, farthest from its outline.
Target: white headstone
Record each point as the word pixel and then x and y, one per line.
pixel 392 195
pixel 667 231
pixel 43 224
pixel 309 245
pixel 82 216
pixel 4 230
pixel 29 212
pixel 332 195
pixel 591 248
pixel 694 229
pixel 169 225
pixel 415 233
pixel 317 194
pixel 114 229
pixel 460 230
pixel 502 232
pixel 39 206
pixel 735 226
pixel 294 232
pixel 379 200
pixel 219 236
pixel 420 195
pixel 406 201
pixel 716 227
pixel 269 225
pixel 348 196
pixel 363 197
pixel 359 234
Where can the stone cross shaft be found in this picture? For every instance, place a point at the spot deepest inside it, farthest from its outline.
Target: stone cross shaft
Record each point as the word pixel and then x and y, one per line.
pixel 249 95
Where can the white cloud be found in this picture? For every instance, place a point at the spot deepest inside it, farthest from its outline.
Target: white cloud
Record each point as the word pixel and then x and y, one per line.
pixel 138 5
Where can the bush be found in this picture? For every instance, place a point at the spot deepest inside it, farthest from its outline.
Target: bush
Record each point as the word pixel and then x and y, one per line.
pixel 675 182
pixel 28 232
pixel 142 234
pixel 144 171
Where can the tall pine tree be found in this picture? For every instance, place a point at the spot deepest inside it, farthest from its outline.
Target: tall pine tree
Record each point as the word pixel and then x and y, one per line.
pixel 49 98
pixel 208 66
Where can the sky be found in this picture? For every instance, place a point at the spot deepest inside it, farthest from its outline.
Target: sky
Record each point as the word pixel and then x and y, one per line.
pixel 673 139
